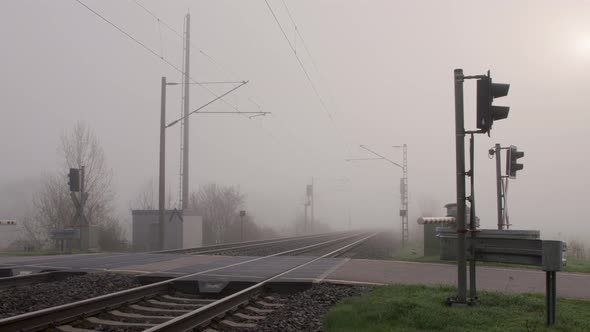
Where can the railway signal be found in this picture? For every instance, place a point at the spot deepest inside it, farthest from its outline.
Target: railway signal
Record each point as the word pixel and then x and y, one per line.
pixel 512 165
pixel 486 93
pixel 74 181
pixel 7 222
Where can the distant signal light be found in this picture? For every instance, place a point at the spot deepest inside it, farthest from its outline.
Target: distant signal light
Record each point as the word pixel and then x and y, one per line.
pixel 8 222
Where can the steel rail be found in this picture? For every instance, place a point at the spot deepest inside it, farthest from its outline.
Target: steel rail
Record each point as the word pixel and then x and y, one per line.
pixel 45 318
pixel 257 245
pixel 207 313
pixel 240 245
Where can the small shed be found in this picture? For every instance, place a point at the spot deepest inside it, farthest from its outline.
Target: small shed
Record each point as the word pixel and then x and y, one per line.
pixel 182 229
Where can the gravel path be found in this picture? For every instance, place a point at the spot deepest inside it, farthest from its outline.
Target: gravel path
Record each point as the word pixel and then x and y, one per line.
pixel 22 299
pixel 304 311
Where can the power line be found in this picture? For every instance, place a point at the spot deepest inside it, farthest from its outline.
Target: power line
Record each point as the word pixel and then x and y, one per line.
pixel 158 19
pixel 320 98
pixel 300 63
pixel 167 61
pixel 300 36
pixel 209 57
pixel 154 52
pixel 130 36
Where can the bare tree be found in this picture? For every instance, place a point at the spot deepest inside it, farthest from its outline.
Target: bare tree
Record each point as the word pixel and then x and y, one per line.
pixel 53 205
pixel 219 207
pixel 146 199
pixel 80 147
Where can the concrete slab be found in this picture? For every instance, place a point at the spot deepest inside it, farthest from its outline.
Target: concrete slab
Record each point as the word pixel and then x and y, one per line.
pixel 172 264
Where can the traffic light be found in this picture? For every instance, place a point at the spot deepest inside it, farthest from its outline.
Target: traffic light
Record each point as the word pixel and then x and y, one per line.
pixel 486 112
pixel 74 181
pixel 512 156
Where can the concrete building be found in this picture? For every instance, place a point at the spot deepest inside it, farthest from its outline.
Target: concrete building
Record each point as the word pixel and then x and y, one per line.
pixel 181 230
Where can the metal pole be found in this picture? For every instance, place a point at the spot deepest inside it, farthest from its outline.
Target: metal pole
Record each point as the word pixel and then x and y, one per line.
pixel 305 223
pixel 499 190
pixel 84 236
pixel 162 175
pixel 460 166
pixel 472 226
pixel 550 296
pixel 405 226
pixel 241 228
pixel 185 144
pixel 312 205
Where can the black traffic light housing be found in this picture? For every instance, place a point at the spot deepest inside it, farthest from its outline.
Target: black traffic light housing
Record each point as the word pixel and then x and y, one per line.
pixel 74 179
pixel 486 112
pixel 512 156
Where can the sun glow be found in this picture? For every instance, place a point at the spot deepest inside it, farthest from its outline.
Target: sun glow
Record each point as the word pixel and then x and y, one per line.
pixel 583 45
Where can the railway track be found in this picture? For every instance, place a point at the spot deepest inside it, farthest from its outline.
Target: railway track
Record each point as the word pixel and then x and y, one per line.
pixel 248 245
pixel 160 307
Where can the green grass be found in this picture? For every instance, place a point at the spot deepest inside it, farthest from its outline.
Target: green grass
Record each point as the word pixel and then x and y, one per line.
pixel 420 308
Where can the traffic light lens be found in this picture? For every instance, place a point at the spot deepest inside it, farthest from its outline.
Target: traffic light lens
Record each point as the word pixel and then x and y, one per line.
pixel 500 90
pixel 500 112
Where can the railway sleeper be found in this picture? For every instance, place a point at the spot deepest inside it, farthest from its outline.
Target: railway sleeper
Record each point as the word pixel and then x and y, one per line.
pixel 232 324
pixel 121 314
pixel 258 310
pixel 152 309
pixel 70 328
pixel 269 305
pixel 173 304
pixel 248 317
pixel 98 321
pixel 187 299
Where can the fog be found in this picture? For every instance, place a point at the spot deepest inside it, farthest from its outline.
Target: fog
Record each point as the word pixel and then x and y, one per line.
pixel 384 70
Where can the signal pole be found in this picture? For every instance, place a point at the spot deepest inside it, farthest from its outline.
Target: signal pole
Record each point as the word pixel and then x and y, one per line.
pixel 460 167
pixel 312 205
pixel 499 190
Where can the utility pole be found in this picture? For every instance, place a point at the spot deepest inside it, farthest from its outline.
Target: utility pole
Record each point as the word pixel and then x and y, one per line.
pixel 404 213
pixel 312 205
pixel 185 121
pixel 162 179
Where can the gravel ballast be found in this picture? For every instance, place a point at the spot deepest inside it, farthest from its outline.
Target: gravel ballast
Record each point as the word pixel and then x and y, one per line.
pixel 304 311
pixel 18 300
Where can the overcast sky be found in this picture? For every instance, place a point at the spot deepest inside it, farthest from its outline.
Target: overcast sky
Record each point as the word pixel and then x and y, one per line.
pixel 384 70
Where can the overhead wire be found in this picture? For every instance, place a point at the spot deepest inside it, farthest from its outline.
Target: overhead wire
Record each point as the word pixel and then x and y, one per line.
pixel 299 61
pixel 220 67
pixel 181 36
pixel 300 36
pixel 161 57
pixel 158 19
pixel 130 36
pixel 308 77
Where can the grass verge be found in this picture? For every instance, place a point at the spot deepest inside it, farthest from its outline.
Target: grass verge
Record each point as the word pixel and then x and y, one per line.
pixel 409 308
